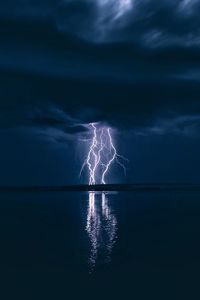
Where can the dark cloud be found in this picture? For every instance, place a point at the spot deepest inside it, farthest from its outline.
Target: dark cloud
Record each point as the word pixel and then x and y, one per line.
pixel 134 65
pixel 120 84
pixel 183 126
pixel 151 22
pixel 47 102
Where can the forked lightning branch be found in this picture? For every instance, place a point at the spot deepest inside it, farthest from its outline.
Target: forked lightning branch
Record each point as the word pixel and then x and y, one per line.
pixel 102 154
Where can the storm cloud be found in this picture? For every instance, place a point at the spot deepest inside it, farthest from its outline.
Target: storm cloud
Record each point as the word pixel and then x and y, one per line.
pixel 152 23
pixel 133 65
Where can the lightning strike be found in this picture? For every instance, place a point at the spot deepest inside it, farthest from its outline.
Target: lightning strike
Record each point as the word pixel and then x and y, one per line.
pixel 101 155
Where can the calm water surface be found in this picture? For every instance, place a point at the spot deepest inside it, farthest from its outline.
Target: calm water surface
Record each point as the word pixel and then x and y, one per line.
pixel 147 243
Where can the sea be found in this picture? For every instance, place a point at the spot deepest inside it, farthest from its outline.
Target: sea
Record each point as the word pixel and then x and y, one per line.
pixel 82 245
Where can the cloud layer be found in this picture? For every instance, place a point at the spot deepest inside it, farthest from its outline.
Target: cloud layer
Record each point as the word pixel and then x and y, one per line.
pixel 151 23
pixel 124 62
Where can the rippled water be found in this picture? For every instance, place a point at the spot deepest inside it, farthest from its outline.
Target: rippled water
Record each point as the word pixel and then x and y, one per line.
pixel 149 240
pixel 101 227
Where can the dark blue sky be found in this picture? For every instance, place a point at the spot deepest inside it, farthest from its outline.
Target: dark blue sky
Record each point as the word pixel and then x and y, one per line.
pixel 134 65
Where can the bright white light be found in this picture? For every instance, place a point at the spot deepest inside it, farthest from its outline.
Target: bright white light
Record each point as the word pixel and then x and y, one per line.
pixel 101 155
pixel 101 227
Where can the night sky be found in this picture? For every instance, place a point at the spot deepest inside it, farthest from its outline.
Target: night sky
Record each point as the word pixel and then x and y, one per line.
pixel 131 64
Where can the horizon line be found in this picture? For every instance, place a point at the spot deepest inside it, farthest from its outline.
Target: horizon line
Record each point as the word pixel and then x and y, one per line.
pixel 103 187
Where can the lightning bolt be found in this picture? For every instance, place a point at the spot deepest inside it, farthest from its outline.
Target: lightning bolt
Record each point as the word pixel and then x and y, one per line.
pixel 107 166
pixel 101 155
pixel 92 158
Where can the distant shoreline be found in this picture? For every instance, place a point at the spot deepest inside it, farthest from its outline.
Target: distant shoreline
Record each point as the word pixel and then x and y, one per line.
pixel 103 188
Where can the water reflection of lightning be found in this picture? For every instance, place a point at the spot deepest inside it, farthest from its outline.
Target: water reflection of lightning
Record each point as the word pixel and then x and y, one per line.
pixel 101 155
pixel 93 227
pixel 101 228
